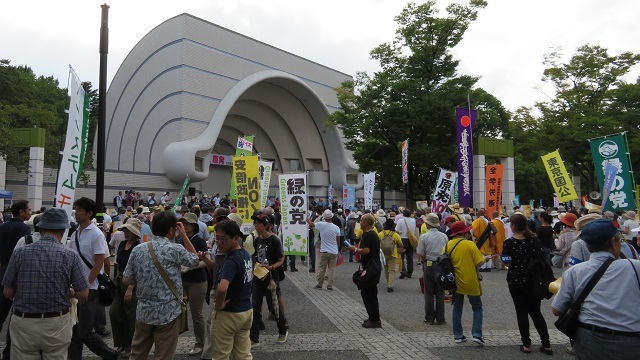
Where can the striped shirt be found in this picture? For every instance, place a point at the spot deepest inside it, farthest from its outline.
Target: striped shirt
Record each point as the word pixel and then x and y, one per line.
pixel 42 273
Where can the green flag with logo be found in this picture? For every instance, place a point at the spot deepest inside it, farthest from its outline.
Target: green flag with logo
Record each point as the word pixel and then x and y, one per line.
pixel 615 150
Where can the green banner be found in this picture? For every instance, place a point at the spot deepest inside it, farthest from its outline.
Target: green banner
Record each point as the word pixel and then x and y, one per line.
pixel 181 194
pixel 615 150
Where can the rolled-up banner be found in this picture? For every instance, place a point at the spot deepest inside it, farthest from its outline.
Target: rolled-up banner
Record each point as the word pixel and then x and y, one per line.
pixel 265 180
pixel 294 204
pixel 465 122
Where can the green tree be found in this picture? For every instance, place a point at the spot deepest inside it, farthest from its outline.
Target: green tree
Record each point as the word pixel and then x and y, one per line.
pixel 586 104
pixel 413 97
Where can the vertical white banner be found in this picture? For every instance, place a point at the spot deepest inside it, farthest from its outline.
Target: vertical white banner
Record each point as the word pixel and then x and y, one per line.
pixel 330 197
pixel 265 180
pixel 74 146
pixel 369 186
pixel 294 204
pixel 443 191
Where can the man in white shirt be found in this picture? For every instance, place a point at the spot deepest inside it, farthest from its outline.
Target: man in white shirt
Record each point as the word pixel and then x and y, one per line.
pixel 329 245
pixel 88 241
pixel 403 226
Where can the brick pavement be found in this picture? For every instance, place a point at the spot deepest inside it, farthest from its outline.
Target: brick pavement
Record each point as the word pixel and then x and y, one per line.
pixel 346 316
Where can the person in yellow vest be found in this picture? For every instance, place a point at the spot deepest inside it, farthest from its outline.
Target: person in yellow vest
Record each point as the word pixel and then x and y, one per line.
pixel 500 236
pixel 479 225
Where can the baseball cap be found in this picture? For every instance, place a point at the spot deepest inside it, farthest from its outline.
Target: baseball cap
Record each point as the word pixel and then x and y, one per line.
pixel 598 231
pixel 263 218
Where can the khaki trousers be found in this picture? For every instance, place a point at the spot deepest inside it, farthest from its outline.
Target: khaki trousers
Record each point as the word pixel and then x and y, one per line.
pixel 230 333
pixel 330 260
pixel 390 270
pixel 30 337
pixel 164 336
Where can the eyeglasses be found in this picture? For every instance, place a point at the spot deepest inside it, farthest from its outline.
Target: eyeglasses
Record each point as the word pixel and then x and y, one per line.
pixel 223 238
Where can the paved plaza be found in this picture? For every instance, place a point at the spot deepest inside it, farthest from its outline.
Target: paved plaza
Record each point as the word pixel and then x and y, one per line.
pixel 327 324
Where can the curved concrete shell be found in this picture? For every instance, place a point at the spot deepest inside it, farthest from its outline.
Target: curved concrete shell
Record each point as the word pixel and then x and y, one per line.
pixel 189 88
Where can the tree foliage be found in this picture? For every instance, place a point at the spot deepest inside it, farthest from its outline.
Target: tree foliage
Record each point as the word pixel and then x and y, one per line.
pixel 413 97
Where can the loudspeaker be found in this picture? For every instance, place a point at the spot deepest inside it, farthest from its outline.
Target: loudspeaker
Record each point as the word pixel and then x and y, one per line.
pixel 192 191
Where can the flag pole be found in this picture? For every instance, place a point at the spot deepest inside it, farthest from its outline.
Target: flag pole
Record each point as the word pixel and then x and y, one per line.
pixel 102 114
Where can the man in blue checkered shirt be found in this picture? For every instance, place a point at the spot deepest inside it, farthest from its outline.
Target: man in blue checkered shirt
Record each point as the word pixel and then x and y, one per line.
pixel 38 279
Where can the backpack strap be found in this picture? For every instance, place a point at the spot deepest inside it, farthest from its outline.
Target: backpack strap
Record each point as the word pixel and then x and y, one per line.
pixel 162 272
pixel 28 239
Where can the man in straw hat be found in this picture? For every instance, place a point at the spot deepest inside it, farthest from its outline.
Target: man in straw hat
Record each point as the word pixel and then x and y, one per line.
pixel 429 249
pixel 605 319
pixel 41 297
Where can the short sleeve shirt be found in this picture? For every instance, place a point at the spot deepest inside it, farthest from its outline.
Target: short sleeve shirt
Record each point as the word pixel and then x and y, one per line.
pixel 269 249
pixel 238 270
pixel 328 233
pixel 464 258
pixel 522 252
pixel 396 240
pixel 156 303
pixel 92 243
pixel 431 244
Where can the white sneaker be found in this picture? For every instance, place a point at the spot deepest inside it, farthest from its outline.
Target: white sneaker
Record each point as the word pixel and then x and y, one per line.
pixel 195 351
pixel 282 338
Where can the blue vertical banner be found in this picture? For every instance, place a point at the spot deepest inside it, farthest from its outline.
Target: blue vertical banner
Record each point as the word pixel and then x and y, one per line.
pixel 609 176
pixel 465 122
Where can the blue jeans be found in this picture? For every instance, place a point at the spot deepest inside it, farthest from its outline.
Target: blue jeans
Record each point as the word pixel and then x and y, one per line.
pixel 476 305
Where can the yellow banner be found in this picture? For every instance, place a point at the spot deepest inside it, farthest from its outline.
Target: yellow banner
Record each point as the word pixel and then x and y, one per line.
pixel 247 185
pixel 559 177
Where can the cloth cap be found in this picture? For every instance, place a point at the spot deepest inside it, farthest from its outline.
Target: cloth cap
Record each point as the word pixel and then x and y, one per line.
pixel 380 213
pixel 459 227
pixel 450 219
pixel 236 218
pixel 263 218
pixel 134 225
pixel 598 231
pixel 54 219
pixel 609 215
pixel 145 210
pixel 432 220
pixel 569 219
pixel 584 220
pixel 630 215
pixel 190 217
pixel 327 214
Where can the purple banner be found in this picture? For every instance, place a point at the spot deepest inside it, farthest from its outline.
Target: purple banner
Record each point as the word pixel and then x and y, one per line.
pixel 465 122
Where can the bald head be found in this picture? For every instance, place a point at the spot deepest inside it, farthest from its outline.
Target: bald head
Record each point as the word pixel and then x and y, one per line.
pixel 495 214
pixel 480 212
pixel 366 222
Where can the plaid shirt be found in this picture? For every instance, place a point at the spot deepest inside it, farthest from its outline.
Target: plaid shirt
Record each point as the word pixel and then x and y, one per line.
pixel 42 273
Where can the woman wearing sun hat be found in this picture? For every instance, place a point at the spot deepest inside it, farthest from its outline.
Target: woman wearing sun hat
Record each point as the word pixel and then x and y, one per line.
pixel 566 238
pixel 123 310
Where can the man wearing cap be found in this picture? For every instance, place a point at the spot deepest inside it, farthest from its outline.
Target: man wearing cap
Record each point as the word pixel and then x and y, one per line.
pixel 329 245
pixel 41 297
pixel 608 323
pixel 429 249
pixel 466 259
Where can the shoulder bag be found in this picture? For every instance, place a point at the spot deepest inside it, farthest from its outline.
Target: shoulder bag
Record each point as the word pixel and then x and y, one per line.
pixel 106 286
pixel 183 319
pixel 567 322
pixel 412 238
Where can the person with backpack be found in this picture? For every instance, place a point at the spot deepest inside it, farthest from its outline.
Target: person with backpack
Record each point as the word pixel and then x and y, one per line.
pixel 390 242
pixel 520 251
pixel 465 259
pixel 350 234
pixel 429 249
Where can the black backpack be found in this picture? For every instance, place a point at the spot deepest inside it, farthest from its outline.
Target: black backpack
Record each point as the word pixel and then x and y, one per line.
pixel 443 269
pixel 115 201
pixel 539 276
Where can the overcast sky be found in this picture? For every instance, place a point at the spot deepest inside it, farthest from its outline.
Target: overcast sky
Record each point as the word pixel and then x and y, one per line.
pixel 505 46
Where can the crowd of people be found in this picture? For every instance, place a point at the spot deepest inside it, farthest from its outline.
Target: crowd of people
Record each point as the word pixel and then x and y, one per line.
pixel 198 254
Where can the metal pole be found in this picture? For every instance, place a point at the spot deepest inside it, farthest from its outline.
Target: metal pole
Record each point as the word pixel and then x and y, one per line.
pixel 102 115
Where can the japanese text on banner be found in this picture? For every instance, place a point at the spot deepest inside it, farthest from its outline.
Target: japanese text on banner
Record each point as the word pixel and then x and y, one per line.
pixel 615 150
pixel 294 200
pixel 247 185
pixel 493 188
pixel 443 190
pixel 559 177
pixel 369 185
pixel 265 180
pixel 75 145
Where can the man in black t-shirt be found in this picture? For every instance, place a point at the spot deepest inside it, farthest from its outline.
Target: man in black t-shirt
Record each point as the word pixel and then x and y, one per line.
pixel 269 253
pixel 232 309
pixel 369 250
